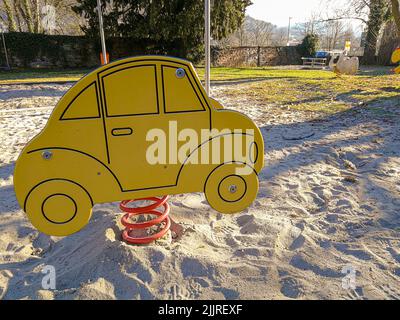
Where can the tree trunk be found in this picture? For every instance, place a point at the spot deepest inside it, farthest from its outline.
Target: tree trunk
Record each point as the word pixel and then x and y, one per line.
pixel 12 27
pixel 376 20
pixel 396 15
pixel 37 22
pixel 18 17
pixel 29 17
pixel 390 41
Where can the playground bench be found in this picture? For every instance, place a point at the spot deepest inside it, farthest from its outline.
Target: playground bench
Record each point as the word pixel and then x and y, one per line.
pixel 314 63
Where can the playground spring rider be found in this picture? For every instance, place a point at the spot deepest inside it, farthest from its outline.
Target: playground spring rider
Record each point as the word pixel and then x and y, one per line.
pixel 94 147
pixel 162 217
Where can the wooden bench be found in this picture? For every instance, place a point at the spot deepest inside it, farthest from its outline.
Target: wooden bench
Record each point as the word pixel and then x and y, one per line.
pixel 314 63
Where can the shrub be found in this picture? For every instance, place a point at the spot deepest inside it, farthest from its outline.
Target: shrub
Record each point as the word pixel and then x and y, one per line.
pixel 309 46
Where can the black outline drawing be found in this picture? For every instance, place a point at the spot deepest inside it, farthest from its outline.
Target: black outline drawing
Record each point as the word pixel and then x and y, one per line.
pixel 59 194
pixel 148 188
pixel 54 179
pixel 245 188
pixel 76 97
pixel 130 114
pixel 121 134
pixel 191 84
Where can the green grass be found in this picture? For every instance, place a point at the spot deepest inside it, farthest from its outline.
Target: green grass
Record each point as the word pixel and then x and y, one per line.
pixel 41 75
pixel 217 74
pixel 265 73
pixel 311 90
pixel 306 90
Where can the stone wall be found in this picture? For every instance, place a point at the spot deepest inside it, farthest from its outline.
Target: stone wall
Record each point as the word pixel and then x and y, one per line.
pixel 255 56
pixel 27 50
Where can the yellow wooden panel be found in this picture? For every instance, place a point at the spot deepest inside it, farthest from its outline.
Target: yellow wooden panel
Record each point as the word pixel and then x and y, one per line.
pixel 84 105
pixel 179 93
pixel 396 59
pixel 131 91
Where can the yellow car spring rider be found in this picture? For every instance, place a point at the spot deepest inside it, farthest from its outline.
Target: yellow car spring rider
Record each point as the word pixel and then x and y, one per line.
pixel 135 128
pixel 396 59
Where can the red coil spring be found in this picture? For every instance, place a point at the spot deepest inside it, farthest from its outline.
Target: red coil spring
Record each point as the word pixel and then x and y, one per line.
pixel 153 209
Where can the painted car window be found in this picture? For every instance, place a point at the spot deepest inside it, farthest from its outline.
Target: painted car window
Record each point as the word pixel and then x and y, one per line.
pixel 179 92
pixel 131 91
pixel 84 106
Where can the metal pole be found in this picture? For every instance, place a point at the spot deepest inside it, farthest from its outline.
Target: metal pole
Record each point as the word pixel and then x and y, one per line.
pixel 5 50
pixel 288 32
pixel 207 45
pixel 103 41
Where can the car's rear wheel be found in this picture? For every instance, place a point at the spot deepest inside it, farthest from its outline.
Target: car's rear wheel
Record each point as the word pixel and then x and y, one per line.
pixel 58 207
pixel 231 188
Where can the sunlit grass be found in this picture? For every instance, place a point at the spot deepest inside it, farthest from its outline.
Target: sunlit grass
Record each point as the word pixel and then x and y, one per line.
pixel 231 74
pixel 305 90
pixel 319 91
pixel 41 76
pixel 217 74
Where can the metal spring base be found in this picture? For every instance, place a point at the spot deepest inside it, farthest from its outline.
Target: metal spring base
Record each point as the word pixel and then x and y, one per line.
pixel 162 217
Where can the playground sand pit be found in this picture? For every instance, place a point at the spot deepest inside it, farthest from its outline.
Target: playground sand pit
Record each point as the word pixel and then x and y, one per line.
pixel 325 225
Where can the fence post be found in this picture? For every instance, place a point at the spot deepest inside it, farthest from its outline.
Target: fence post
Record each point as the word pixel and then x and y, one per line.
pixel 103 41
pixel 207 37
pixel 258 56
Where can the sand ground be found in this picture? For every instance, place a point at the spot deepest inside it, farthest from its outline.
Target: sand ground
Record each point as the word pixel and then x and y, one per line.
pixel 328 204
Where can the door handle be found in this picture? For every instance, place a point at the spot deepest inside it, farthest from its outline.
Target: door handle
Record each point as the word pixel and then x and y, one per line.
pixel 121 132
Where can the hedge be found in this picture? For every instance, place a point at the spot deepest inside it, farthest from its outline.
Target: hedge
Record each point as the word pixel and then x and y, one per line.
pixel 24 48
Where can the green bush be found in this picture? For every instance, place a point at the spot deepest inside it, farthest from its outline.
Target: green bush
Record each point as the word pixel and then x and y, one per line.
pixel 309 46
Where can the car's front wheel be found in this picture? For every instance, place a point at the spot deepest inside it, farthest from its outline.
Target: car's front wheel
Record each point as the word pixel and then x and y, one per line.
pixel 58 207
pixel 231 188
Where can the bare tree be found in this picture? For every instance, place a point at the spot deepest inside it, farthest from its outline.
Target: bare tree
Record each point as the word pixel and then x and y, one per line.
pixel 388 43
pixel 279 37
pixel 260 32
pixel 28 15
pixel 334 32
pixel 252 33
pixel 8 18
pixel 242 35
pixel 311 26
pixel 354 10
pixel 396 15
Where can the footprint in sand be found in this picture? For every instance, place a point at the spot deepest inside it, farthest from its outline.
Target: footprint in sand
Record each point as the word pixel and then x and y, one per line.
pixel 291 288
pixel 389 291
pixel 395 254
pixel 225 229
pixel 178 292
pixel 297 243
pixel 355 294
pixel 229 294
pixel 190 291
pixel 300 263
pixel 357 253
pixel 223 234
pixel 192 201
pixel 244 219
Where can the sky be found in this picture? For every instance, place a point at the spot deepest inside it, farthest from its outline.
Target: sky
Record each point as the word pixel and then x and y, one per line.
pixel 278 11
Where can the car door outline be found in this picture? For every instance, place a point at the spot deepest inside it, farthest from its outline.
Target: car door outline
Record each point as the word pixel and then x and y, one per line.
pixel 160 96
